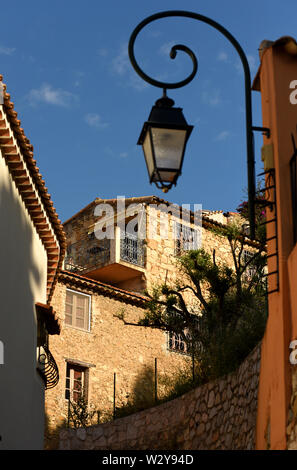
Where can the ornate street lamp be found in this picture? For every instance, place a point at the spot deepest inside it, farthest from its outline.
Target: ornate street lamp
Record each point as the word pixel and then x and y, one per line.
pixel 163 139
pixel 165 134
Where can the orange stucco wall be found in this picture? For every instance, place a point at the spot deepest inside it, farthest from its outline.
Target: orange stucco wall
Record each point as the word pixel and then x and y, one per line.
pixel 278 68
pixel 292 268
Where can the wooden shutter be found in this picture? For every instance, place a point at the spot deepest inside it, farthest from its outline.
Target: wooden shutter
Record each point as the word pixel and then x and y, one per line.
pixel 69 308
pixel 77 310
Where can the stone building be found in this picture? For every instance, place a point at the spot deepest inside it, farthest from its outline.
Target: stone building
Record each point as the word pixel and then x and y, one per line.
pixel 145 234
pixel 32 249
pixel 102 281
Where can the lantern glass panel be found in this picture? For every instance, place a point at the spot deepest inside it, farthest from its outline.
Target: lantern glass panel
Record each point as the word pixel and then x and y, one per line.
pixel 167 176
pixel 147 149
pixel 168 146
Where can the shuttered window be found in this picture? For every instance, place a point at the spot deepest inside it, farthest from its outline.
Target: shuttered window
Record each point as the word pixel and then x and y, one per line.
pixel 77 310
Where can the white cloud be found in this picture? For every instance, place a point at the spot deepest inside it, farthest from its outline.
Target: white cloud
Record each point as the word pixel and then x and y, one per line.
pixel 121 67
pixel 121 64
pixel 6 50
pixel 252 63
pixel 109 152
pixel 222 57
pixel 78 76
pixel 47 94
pixel 166 48
pixel 155 34
pixel 103 52
pixel 222 135
pixel 95 120
pixel 212 98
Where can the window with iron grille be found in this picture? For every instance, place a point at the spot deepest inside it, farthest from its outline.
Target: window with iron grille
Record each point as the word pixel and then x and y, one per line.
pixel 76 382
pixel 177 343
pixel 77 310
pixel 251 269
pixel 186 238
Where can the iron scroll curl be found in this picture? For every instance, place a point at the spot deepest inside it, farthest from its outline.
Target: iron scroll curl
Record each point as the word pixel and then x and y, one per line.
pixel 173 52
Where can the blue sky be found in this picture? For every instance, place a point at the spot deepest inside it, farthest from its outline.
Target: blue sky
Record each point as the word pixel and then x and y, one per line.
pixel 82 105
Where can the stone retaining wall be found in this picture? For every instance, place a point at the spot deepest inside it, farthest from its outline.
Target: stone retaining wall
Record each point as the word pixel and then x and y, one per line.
pixel 217 415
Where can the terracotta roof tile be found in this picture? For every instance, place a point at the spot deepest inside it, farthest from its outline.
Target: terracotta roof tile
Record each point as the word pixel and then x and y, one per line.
pixel 102 288
pixel 14 155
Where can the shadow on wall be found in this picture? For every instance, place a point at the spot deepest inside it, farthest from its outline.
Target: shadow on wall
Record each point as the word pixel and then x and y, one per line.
pixel 142 395
pixel 140 398
pixel 21 285
pixel 52 433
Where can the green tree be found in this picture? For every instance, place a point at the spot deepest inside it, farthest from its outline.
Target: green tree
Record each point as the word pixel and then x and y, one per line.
pixel 228 316
pixel 80 413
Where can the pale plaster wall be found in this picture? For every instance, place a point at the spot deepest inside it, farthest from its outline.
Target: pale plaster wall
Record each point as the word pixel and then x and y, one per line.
pixel 23 275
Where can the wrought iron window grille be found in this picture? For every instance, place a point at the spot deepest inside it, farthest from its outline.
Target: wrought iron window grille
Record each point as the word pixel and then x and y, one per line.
pixel 132 249
pixel 47 367
pixel 176 343
pixel 186 238
pixel 270 201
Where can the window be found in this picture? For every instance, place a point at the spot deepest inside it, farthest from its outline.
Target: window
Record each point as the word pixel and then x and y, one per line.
pixel 76 382
pixel 186 238
pixel 177 343
pixel 251 269
pixel 77 310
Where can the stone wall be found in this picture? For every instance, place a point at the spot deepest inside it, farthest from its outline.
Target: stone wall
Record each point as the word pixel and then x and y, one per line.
pixel 217 415
pixel 161 258
pixel 160 244
pixel 109 347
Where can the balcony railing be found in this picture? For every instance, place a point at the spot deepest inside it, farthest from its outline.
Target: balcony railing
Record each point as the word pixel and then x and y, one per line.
pixel 133 250
pixel 87 254
pixel 47 367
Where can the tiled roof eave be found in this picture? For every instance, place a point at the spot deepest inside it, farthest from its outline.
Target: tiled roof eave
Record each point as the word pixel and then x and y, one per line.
pixel 99 287
pixel 46 312
pixel 18 154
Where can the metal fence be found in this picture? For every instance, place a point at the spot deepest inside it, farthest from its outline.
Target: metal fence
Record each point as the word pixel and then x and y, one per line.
pixel 87 254
pixel 132 250
pixel 80 413
pixel 90 253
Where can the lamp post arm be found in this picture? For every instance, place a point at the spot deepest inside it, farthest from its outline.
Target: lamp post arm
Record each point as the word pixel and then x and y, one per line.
pixel 247 80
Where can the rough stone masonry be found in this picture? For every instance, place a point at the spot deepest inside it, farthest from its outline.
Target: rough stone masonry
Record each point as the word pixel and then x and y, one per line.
pixel 218 415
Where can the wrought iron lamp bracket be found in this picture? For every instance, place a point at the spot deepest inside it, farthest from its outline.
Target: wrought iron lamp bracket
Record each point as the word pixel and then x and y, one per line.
pixel 165 86
pixel 265 130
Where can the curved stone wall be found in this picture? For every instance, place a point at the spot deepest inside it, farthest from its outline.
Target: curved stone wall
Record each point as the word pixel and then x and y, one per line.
pixel 218 415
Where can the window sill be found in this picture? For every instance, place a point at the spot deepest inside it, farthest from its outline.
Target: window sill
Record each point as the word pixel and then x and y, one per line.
pixel 176 351
pixel 77 328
